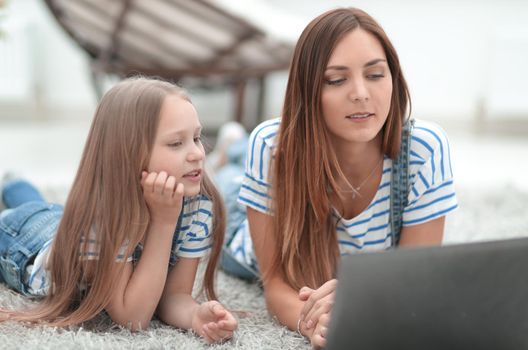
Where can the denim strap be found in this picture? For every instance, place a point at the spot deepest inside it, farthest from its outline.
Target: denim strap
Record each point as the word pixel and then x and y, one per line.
pixel 400 183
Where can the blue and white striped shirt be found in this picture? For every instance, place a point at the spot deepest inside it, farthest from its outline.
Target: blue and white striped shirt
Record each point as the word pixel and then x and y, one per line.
pixel 193 241
pixel 432 193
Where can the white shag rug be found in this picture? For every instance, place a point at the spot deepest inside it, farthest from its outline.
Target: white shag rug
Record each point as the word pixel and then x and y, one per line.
pixel 483 215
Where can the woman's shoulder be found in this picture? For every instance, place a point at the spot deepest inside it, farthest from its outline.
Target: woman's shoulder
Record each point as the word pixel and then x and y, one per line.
pixel 265 130
pixel 428 138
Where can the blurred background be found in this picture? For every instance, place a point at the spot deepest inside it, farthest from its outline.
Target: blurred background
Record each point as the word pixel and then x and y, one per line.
pixel 465 62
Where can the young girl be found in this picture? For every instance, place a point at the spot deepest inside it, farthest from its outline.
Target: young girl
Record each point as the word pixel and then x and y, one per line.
pixel 327 178
pixel 140 215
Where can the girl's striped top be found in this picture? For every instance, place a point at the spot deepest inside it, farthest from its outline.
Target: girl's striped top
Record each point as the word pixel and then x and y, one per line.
pixel 192 241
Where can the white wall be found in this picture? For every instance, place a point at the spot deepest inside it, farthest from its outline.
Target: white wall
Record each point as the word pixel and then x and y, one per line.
pixel 460 58
pixel 455 54
pixel 55 75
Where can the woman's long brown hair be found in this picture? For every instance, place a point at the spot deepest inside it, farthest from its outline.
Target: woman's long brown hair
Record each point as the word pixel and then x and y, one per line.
pixel 306 168
pixel 106 199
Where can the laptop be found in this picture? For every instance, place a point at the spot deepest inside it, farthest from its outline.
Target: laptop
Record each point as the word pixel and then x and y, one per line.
pixel 469 296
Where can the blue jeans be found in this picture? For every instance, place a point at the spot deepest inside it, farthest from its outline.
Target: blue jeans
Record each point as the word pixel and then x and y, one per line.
pixel 229 180
pixel 25 226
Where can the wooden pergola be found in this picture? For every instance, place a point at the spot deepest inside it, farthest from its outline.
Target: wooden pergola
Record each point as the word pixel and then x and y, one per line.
pixel 194 42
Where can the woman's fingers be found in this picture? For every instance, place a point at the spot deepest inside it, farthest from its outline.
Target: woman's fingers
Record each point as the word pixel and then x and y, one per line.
pixel 327 288
pixel 320 333
pixel 305 292
pixel 320 308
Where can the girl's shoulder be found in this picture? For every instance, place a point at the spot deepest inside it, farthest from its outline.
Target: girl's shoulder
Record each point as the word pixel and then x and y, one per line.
pixel 196 204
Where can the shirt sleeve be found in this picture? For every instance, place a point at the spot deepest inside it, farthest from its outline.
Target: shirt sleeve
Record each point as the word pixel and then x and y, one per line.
pixel 194 238
pixel 255 188
pixel 432 193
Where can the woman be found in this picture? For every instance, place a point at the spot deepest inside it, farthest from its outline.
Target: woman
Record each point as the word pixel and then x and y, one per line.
pixel 323 181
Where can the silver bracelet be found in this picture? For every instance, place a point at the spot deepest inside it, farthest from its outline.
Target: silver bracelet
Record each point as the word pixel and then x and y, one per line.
pixel 299 327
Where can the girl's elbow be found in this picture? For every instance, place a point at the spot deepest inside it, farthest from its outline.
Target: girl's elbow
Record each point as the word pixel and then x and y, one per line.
pixel 135 324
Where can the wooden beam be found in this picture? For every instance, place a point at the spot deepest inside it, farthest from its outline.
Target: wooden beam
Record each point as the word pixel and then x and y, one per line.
pixel 240 97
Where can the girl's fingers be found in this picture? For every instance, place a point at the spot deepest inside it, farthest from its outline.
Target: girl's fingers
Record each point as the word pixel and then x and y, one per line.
pixel 218 310
pixel 219 335
pixel 228 325
pixel 211 334
pixel 159 184
pixel 148 182
pixel 178 192
pixel 170 186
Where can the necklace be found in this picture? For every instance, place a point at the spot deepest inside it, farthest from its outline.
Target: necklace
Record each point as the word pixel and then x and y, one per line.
pixel 355 190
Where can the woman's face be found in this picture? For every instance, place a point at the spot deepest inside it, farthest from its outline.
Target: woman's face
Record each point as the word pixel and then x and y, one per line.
pixel 357 89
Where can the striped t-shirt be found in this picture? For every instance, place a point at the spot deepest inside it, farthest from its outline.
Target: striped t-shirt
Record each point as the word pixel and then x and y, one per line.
pixel 192 241
pixel 432 193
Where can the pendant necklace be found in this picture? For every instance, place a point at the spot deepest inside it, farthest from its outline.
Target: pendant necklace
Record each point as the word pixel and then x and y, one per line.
pixel 355 190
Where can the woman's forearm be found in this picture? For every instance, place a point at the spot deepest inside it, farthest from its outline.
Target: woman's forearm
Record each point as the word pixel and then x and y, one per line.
pixel 283 302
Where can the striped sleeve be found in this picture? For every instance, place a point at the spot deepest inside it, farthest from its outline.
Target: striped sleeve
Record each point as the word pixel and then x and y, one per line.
pixel 194 238
pixel 432 192
pixel 254 191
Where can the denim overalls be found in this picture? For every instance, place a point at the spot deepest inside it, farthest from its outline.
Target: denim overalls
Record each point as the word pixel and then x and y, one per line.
pixel 236 213
pixel 27 224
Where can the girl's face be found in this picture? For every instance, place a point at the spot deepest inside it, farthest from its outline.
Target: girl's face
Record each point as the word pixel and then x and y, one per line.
pixel 178 149
pixel 357 90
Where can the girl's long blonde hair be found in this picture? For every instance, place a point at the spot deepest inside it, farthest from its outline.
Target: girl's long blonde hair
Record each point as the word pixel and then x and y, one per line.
pixel 107 199
pixel 306 168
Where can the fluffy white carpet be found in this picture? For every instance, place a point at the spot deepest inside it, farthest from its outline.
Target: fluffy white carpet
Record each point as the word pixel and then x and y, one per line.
pixel 483 215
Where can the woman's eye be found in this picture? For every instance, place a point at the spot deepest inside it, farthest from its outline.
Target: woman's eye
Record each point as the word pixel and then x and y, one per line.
pixel 375 76
pixel 335 81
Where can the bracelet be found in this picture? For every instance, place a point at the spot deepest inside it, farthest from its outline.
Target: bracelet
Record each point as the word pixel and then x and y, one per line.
pixel 299 327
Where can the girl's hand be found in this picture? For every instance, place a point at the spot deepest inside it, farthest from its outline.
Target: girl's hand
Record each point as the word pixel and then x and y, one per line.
pixel 213 322
pixel 163 196
pixel 317 303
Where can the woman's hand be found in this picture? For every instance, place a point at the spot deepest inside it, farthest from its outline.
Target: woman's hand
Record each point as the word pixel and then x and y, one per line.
pixel 213 322
pixel 317 303
pixel 319 334
pixel 163 196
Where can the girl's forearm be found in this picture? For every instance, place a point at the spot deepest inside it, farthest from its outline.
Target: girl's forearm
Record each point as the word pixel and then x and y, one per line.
pixel 177 310
pixel 145 286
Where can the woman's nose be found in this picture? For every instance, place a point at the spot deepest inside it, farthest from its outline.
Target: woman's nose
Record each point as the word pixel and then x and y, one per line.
pixel 358 91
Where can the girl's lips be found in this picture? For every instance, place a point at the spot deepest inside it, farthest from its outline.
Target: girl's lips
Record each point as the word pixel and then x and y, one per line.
pixel 194 175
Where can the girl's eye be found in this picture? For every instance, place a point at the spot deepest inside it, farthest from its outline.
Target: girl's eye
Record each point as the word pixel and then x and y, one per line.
pixel 175 144
pixel 335 81
pixel 198 139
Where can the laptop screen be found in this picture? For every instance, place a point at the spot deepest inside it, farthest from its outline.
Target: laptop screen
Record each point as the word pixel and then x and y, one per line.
pixel 470 296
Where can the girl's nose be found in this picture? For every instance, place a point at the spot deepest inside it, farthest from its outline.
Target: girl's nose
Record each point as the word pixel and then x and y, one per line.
pixel 196 153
